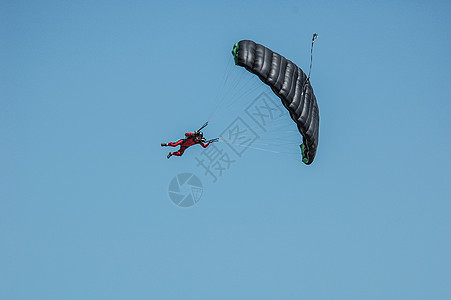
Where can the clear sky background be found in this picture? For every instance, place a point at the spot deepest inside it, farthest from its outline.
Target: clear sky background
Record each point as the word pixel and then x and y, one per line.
pixel 89 89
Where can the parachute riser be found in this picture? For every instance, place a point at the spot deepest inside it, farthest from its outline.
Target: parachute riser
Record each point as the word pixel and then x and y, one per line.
pixel 202 127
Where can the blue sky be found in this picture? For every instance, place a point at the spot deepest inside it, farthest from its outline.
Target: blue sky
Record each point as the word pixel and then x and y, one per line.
pixel 89 89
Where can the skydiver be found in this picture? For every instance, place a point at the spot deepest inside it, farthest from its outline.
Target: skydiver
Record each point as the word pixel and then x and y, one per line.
pixel 191 138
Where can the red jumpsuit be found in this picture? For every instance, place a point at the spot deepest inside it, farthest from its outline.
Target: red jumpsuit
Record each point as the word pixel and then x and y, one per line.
pixel 185 143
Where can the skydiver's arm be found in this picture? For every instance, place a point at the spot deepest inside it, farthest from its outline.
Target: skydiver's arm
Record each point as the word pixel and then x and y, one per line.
pixel 188 134
pixel 205 145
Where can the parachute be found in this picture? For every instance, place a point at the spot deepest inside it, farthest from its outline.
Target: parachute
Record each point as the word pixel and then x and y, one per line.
pixel 290 84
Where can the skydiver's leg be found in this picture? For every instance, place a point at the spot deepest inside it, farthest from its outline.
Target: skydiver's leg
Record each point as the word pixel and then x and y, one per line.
pixel 180 152
pixel 176 143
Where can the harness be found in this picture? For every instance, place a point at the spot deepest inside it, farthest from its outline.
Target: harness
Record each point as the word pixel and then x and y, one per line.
pixel 193 137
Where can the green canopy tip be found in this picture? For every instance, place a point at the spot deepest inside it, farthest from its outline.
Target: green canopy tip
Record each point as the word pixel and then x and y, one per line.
pixel 305 156
pixel 235 52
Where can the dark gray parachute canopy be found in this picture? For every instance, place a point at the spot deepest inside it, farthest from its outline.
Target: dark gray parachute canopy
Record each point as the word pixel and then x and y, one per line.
pixel 290 84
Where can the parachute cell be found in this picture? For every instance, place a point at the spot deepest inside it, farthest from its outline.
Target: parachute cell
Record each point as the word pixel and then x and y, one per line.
pixel 290 84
